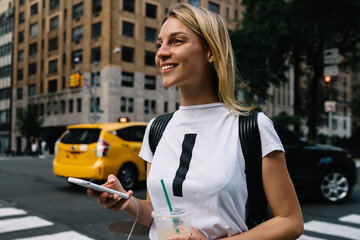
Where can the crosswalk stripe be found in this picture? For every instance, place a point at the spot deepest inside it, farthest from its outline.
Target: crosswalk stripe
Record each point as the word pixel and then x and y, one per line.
pixel 333 229
pixel 59 236
pixel 305 237
pixel 352 218
pixel 16 224
pixel 5 212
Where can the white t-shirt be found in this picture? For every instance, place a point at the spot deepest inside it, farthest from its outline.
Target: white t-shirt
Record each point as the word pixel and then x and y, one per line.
pixel 206 172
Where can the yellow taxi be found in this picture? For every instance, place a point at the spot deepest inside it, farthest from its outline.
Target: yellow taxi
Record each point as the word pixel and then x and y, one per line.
pixel 93 151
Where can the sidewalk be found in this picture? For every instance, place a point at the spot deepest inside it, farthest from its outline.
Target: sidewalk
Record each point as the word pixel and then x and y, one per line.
pixel 4 157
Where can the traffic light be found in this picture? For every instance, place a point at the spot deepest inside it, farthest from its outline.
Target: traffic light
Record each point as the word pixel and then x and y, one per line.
pixel 73 80
pixel 76 80
pixel 327 80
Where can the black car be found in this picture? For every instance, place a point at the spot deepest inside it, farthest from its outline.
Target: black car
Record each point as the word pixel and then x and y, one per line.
pixel 324 170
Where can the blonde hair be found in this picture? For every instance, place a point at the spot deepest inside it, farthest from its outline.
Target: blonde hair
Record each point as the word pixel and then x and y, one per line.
pixel 210 27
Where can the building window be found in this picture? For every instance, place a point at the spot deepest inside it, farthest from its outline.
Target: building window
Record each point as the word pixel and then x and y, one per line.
pixel 127 79
pixel 78 10
pixel 20 75
pixel 78 104
pixel 96 30
pixel 33 30
pixel 150 10
pixel 55 105
pixel 131 105
pixel 52 86
pixel 53 64
pixel 123 104
pixel 214 7
pixel 96 6
pixel 33 49
pixel 21 2
pixel 153 107
pixel 129 5
pixel 19 94
pixel 195 3
pixel 236 15
pixel 32 68
pixel 32 90
pixel 128 29
pixel 150 34
pixel 54 23
pixel 20 56
pixel 21 17
pixel 150 58
pixel 166 106
pixel 95 54
pixel 76 57
pixel 71 106
pixel 41 109
pixel 21 37
pixel 34 9
pixel 150 82
pixel 53 44
pixel 54 4
pixel 62 106
pixel 77 34
pixel 127 54
pixel 48 108
pixel 146 106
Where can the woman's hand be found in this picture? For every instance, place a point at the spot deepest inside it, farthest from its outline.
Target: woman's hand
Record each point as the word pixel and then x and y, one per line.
pixel 195 234
pixel 113 202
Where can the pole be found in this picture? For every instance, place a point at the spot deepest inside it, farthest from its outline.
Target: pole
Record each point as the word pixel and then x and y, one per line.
pixel 94 96
pixel 330 126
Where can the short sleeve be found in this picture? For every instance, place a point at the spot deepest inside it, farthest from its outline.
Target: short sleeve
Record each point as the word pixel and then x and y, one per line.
pixel 270 140
pixel 145 151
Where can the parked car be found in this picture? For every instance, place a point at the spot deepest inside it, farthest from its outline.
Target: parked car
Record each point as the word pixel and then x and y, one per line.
pixel 93 151
pixel 327 171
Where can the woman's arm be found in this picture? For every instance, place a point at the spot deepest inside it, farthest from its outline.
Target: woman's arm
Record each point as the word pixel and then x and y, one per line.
pixel 287 222
pixel 116 203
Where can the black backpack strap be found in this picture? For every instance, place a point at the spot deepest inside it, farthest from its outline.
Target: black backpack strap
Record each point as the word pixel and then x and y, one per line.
pixel 251 148
pixel 157 128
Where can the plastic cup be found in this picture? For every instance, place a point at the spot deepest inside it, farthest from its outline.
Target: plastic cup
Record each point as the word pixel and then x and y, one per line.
pixel 177 222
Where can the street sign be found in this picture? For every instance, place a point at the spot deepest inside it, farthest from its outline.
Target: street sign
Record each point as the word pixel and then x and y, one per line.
pixel 331 56
pixel 330 106
pixel 332 70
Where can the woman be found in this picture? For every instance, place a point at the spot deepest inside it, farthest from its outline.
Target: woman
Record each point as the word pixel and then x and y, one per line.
pixel 194 53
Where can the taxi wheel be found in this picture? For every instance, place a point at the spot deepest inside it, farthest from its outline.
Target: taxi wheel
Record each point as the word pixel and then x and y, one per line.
pixel 128 176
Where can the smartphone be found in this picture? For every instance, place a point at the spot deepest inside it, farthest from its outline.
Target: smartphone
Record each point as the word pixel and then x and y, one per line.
pixel 96 187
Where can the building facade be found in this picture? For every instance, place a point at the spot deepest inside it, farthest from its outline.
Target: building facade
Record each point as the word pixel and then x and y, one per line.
pixel 6 40
pixel 54 39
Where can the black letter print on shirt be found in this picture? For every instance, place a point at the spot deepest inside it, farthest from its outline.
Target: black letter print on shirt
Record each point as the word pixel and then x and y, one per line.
pixel 185 158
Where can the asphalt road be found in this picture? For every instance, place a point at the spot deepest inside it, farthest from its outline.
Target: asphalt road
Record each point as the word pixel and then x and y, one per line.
pixel 36 205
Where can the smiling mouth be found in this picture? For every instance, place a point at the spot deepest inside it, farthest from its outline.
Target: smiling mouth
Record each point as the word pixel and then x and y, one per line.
pixel 167 67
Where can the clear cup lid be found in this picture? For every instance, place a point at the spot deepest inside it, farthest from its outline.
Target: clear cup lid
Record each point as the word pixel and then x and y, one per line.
pixel 165 213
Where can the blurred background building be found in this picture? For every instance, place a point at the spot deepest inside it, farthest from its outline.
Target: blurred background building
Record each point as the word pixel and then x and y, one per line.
pixel 6 46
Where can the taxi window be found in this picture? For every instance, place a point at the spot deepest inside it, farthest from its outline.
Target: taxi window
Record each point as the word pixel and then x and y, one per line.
pixel 81 136
pixel 134 134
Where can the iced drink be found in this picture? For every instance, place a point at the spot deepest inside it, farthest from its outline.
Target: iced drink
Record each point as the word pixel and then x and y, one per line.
pixel 177 222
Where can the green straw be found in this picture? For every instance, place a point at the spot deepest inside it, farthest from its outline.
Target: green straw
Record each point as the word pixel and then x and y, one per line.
pixel 168 202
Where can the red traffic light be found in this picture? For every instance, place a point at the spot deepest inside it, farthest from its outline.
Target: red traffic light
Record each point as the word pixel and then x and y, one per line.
pixel 327 79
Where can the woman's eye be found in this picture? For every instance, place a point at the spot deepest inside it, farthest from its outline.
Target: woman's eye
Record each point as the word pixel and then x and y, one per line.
pixel 158 46
pixel 177 41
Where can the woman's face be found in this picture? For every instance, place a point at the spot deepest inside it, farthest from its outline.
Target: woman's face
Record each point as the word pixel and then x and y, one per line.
pixel 182 57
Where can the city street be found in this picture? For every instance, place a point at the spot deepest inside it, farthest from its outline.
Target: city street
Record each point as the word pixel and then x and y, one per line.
pixel 36 205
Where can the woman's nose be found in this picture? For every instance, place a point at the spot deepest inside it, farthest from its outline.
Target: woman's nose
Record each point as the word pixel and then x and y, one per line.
pixel 163 51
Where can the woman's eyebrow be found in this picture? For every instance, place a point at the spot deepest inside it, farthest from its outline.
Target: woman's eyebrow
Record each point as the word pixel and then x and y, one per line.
pixel 172 35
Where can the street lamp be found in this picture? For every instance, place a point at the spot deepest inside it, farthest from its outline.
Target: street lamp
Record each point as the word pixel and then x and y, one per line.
pixel 115 50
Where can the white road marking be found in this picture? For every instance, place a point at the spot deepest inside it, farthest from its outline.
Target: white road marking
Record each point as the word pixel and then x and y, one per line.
pixel 59 236
pixel 305 237
pixel 9 211
pixel 16 224
pixel 352 218
pixel 333 229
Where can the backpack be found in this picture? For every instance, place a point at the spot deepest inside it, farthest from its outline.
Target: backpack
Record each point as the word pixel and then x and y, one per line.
pixel 249 136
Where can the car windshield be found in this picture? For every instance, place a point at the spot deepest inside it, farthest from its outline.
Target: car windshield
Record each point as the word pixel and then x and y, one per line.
pixel 81 136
